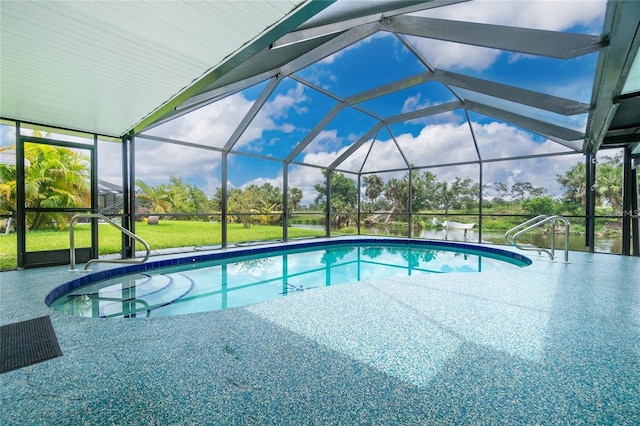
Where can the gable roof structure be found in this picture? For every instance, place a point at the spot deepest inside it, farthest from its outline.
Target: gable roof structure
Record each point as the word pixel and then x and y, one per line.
pixel 123 68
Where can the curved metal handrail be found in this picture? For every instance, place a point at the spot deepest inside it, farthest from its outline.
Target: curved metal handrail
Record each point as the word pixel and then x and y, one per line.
pixel 522 225
pixel 541 222
pixel 115 225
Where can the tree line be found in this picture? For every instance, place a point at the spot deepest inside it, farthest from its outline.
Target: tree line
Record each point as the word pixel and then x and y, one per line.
pixel 250 205
pixel 59 177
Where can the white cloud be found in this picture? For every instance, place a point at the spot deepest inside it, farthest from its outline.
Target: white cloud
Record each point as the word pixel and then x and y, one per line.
pixel 156 162
pixel 213 124
pixel 449 143
pixel 454 56
pixel 558 15
pixel 327 141
pixel 282 107
pixel 320 75
pixel 332 58
pixel 412 103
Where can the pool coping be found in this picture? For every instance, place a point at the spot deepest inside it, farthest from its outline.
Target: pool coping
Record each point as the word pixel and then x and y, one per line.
pixel 247 250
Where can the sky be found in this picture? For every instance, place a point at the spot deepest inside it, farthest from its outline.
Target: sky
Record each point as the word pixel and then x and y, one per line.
pixel 294 109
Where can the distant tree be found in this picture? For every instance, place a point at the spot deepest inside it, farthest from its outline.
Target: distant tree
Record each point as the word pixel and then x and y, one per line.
pixel 157 199
pixel 574 183
pixel 295 197
pixel 344 198
pixel 216 200
pixel 609 182
pixel 521 190
pixel 538 191
pixel 263 203
pixel 8 185
pixel 374 188
pixel 240 205
pixel 187 197
pixel 540 205
pixel 56 177
pixel 397 192
pixel 445 196
pixel 464 192
pixel 424 191
pixel 502 190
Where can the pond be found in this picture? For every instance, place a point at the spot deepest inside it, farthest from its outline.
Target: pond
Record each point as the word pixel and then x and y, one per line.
pixel 540 239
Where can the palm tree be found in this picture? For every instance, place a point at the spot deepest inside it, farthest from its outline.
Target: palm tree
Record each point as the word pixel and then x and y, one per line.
pixel 574 183
pixel 7 185
pixel 375 186
pixel 609 185
pixel 55 177
pixel 159 199
pixel 295 196
pixel 446 195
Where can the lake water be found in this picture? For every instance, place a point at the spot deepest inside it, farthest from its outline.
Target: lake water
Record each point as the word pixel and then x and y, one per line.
pixel 540 239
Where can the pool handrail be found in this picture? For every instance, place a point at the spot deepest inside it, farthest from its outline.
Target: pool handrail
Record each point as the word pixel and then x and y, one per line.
pixel 520 226
pixel 72 256
pixel 541 220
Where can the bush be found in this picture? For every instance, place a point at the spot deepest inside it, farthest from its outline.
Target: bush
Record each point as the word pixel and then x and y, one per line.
pixel 540 205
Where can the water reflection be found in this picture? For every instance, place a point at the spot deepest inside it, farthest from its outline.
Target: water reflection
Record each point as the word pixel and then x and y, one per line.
pixel 541 239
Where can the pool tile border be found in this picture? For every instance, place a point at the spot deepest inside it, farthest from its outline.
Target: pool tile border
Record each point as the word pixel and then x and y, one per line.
pixel 246 250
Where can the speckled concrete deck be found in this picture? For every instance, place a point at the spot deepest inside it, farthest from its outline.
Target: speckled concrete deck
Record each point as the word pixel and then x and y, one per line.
pixel 553 344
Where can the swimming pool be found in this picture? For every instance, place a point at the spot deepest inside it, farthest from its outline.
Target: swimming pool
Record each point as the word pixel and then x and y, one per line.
pixel 246 276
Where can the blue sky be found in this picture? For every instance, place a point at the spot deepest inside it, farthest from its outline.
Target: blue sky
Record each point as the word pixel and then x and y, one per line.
pixel 294 109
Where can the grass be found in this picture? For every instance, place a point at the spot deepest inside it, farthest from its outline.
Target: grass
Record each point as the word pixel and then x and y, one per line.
pixel 172 234
pixel 166 234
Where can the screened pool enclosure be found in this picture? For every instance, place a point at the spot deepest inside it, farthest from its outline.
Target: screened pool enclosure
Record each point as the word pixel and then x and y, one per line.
pixel 199 125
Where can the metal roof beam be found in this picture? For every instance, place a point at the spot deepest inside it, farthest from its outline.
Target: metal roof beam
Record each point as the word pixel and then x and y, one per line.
pixel 556 133
pixel 251 114
pixel 514 94
pixel 332 46
pixel 524 40
pixel 404 157
pixel 425 112
pixel 316 87
pixel 345 25
pixel 210 97
pixel 354 147
pixel 314 132
pixel 224 91
pixel 614 65
pixel 390 88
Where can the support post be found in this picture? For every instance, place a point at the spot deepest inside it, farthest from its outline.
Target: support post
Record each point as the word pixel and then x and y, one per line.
pixel 590 198
pixel 480 201
pixel 285 202
pixel 21 224
pixel 359 217
pixel 129 196
pixel 224 201
pixel 635 209
pixel 630 241
pixel 328 203
pixel 409 203
pixel 94 198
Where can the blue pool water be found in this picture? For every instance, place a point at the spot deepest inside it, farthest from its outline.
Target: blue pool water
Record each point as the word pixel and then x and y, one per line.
pixel 226 280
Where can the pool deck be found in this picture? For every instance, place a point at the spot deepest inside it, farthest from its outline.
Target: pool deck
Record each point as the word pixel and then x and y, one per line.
pixel 554 343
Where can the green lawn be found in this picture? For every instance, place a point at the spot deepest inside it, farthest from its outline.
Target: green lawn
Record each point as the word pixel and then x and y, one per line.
pixel 166 234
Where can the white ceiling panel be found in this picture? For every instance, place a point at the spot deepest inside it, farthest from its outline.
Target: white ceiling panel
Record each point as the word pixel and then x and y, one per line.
pixel 102 66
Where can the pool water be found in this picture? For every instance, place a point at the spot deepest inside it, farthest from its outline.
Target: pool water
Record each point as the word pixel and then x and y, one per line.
pixel 240 281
